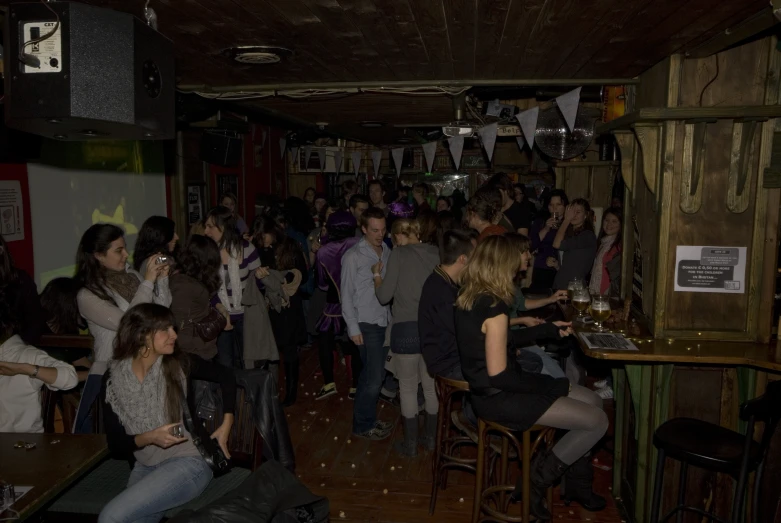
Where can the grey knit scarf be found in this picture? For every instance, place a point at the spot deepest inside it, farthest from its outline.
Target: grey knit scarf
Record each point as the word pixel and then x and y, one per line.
pixel 140 406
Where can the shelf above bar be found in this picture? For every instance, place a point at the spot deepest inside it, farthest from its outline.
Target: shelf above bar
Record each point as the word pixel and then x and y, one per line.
pixel 663 114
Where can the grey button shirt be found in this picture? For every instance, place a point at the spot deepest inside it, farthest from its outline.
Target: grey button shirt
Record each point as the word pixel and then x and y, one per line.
pixel 359 301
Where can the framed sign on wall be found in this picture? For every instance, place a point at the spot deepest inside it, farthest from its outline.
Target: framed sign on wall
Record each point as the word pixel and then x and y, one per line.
pixel 195 202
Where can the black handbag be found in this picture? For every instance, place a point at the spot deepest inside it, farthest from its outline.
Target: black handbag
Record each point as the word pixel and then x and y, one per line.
pixel 210 450
pixel 211 326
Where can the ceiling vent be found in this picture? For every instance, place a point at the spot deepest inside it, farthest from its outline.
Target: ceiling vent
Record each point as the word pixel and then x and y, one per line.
pixel 257 54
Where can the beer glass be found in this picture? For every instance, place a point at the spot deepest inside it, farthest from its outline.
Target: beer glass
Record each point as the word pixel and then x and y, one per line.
pixel 580 300
pixel 574 283
pixel 600 310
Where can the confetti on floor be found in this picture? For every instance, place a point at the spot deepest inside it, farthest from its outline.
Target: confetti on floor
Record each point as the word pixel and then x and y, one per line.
pixel 460 500
pixel 385 491
pixel 322 465
pixel 341 514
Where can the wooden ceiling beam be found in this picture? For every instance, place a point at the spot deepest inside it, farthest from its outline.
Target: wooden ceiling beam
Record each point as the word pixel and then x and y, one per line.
pixel 743 30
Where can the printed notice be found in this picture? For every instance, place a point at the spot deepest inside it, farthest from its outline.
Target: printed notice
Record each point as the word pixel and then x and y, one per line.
pixel 608 340
pixel 11 211
pixel 710 269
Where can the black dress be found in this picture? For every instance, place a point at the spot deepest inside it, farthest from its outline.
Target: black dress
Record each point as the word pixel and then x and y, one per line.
pixel 517 399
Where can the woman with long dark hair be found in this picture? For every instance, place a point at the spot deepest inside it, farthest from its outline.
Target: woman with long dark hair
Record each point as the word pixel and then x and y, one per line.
pixel 577 242
pixel 196 281
pixel 542 234
pixel 144 395
pixel 157 236
pixel 21 295
pixel 239 259
pixel 504 393
pixel 109 287
pixel 280 253
pixel 606 271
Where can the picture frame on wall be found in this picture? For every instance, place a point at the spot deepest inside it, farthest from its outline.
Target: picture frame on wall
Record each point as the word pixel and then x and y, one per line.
pixel 195 202
pixel 227 183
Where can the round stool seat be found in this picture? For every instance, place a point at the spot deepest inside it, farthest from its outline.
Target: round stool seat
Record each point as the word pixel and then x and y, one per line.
pixel 704 444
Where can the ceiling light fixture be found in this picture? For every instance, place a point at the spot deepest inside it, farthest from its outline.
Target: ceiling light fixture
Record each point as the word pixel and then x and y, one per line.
pixel 257 54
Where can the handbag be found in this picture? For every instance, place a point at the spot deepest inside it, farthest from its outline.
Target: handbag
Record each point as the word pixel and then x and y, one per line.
pixel 211 326
pixel 209 449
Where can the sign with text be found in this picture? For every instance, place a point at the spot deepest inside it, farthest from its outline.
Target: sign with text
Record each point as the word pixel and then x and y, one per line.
pixel 11 210
pixel 710 269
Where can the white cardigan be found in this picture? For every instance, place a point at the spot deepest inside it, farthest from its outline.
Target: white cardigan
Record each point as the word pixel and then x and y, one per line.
pixel 103 316
pixel 20 405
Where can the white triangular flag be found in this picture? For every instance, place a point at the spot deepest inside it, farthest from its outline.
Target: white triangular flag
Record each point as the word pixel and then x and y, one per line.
pixel 430 151
pixel 398 156
pixel 338 157
pixel 282 145
pixel 321 156
pixel 376 159
pixel 528 123
pixel 307 155
pixel 263 141
pixel 488 137
pixel 456 144
pixel 568 105
pixel 294 154
pixel 521 142
pixel 356 157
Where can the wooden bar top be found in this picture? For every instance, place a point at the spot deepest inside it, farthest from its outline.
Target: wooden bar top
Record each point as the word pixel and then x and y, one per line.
pixel 56 462
pixel 688 352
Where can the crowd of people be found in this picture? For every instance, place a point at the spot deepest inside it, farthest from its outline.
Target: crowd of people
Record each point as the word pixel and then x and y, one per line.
pixel 395 290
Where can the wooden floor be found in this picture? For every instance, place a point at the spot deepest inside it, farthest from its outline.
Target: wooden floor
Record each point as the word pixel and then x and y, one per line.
pixel 368 482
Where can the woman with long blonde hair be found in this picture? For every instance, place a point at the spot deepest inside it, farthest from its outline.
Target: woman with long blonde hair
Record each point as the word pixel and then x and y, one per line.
pixel 502 392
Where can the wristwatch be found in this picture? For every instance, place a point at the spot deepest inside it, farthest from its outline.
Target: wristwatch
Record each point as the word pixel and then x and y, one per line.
pixel 35 372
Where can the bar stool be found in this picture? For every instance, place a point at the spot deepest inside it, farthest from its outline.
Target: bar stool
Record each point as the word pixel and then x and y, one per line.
pixel 717 449
pixel 494 499
pixel 448 444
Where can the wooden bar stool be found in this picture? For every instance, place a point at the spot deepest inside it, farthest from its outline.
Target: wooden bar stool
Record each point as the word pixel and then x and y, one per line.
pixel 718 449
pixel 449 442
pixel 494 499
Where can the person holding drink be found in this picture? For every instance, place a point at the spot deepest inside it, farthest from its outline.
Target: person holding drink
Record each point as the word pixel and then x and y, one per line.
pixel 576 241
pixel 542 234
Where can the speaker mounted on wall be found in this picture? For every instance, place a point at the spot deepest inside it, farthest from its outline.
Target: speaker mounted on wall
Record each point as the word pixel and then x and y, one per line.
pixel 78 72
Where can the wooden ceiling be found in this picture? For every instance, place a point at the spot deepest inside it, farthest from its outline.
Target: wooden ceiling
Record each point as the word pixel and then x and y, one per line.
pixel 420 40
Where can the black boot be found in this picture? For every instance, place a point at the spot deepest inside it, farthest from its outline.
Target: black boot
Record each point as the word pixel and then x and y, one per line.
pixel 291 383
pixel 429 437
pixel 546 468
pixel 409 446
pixel 577 484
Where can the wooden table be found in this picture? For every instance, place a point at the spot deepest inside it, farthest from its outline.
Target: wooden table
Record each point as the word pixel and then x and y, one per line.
pixel 647 372
pixel 56 462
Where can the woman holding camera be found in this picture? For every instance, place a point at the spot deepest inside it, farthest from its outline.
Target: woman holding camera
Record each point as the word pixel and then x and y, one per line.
pixel 144 397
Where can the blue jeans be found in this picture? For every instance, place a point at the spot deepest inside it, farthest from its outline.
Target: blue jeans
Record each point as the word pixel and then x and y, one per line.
pixel 373 356
pixel 549 365
pixel 230 345
pixel 89 395
pixel 151 491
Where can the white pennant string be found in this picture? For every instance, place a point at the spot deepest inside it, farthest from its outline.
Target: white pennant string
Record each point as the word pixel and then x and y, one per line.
pixel 338 157
pixel 430 151
pixel 356 157
pixel 488 137
pixel 294 154
pixel 528 123
pixel 521 142
pixel 398 156
pixel 568 105
pixel 376 159
pixel 456 144
pixel 307 155
pixel 321 157
pixel 282 145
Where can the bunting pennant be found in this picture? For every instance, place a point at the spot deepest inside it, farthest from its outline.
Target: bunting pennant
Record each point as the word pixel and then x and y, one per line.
pixel 568 105
pixel 307 155
pixel 356 157
pixel 338 157
pixel 321 157
pixel 429 151
pixel 398 156
pixel 456 144
pixel 282 146
pixel 528 123
pixel 488 137
pixel 294 154
pixel 521 142
pixel 376 159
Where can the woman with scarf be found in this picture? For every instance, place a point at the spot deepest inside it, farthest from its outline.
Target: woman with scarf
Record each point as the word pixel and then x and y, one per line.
pixel 239 258
pixel 606 271
pixel 143 398
pixel 279 252
pixel 109 287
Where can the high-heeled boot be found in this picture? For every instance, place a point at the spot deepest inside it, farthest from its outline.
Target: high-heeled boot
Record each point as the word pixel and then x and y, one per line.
pixel 291 383
pixel 577 484
pixel 546 468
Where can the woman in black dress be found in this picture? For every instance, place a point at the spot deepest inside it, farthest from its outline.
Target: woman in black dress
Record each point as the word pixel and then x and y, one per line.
pixel 503 393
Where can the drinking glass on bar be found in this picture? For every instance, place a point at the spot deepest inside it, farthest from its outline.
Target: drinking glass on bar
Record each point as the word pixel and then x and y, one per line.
pixel 574 283
pixel 580 300
pixel 600 310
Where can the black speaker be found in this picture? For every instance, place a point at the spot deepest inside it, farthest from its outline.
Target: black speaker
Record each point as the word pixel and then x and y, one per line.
pixel 77 72
pixel 221 148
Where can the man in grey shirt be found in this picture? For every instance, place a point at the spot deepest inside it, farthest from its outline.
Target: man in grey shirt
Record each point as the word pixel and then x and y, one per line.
pixel 367 321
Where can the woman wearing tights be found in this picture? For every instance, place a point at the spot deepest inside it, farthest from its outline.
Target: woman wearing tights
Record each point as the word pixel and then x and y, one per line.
pixel 328 260
pixel 504 393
